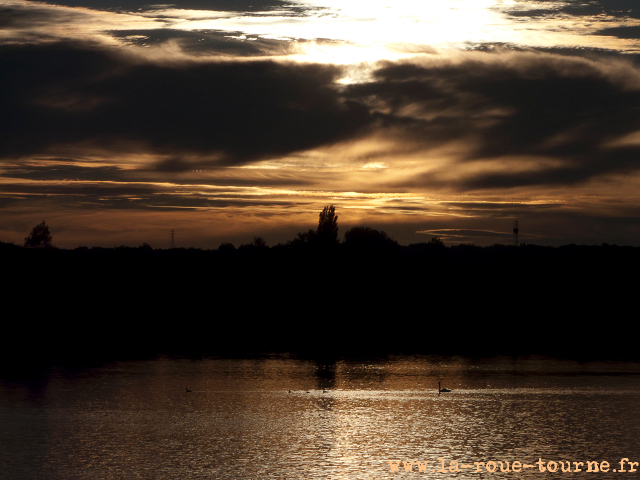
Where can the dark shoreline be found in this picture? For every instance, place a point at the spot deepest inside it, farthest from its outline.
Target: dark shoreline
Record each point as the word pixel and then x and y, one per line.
pixel 338 300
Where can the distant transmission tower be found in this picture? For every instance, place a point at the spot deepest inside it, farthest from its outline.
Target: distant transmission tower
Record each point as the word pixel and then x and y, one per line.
pixel 515 233
pixel 173 245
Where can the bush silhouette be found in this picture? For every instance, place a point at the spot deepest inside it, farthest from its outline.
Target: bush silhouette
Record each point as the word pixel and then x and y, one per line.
pixel 39 237
pixel 303 238
pixel 368 238
pixel 437 241
pixel 259 242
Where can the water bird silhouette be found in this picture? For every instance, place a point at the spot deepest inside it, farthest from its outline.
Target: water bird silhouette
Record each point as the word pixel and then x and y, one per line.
pixel 442 390
pixel 187 390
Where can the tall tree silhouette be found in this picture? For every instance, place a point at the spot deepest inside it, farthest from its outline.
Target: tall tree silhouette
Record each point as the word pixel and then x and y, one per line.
pixel 39 237
pixel 328 224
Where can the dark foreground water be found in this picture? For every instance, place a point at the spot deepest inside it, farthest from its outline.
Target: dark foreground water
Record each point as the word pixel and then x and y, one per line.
pixel 283 418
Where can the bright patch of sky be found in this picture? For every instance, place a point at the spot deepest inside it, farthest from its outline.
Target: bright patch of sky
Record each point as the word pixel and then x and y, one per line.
pixel 349 31
pixel 437 23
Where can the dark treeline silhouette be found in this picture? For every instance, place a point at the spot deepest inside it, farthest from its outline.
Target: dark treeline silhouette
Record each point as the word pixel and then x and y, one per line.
pixel 365 296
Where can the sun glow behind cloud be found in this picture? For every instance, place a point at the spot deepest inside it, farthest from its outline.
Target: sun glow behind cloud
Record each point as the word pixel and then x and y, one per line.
pixel 361 22
pixel 356 31
pixel 351 31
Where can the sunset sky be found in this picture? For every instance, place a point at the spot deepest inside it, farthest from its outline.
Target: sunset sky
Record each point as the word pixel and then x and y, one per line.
pixel 223 120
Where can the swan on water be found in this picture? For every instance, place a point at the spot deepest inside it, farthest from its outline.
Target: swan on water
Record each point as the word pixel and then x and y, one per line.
pixel 442 390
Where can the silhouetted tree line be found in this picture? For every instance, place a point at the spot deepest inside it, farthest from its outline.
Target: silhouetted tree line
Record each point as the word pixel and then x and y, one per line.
pixel 364 296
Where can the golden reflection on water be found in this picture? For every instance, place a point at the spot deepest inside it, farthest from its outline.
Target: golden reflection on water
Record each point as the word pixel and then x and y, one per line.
pixel 291 419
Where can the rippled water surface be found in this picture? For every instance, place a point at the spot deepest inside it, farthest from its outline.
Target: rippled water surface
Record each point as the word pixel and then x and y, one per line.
pixel 286 418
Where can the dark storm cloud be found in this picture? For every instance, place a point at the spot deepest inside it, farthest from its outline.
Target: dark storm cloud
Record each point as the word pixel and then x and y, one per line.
pixel 621 32
pixel 502 106
pixel 525 106
pixel 567 115
pixel 237 112
pixel 582 170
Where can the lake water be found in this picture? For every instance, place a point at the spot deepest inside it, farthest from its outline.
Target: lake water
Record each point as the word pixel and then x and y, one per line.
pixel 136 420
